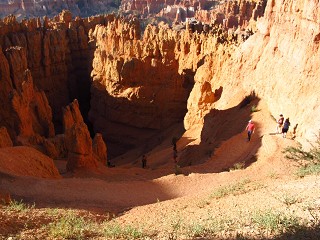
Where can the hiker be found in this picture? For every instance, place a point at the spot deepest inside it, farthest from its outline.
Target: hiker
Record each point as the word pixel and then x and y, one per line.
pixel 109 165
pixel 250 128
pixel 144 161
pixel 174 143
pixel 280 123
pixel 175 155
pixel 285 128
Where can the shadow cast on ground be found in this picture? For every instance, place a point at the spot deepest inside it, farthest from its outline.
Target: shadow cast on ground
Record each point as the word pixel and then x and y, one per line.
pixel 220 126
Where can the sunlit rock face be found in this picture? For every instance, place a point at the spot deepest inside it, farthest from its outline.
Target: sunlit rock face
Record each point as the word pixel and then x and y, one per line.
pixel 142 82
pixel 133 85
pixel 278 63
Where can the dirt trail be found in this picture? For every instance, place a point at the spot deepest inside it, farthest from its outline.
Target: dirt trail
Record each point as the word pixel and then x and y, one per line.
pixel 118 189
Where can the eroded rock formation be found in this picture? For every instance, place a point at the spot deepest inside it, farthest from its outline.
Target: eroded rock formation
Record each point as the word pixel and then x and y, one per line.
pixel 141 81
pixel 26 112
pixel 5 140
pixel 32 8
pixel 99 148
pixel 277 63
pixel 57 54
pixel 233 14
pixel 142 84
pixel 77 139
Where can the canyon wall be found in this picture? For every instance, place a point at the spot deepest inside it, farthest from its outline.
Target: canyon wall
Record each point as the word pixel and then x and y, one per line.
pixel 43 67
pixel 229 14
pixel 31 8
pixel 279 63
pixel 141 85
pixel 58 55
pixel 144 83
pixel 233 14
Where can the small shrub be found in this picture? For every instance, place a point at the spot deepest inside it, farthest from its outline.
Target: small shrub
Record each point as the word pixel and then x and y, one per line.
pixel 19 206
pixel 275 222
pixel 70 226
pixel 203 203
pixel 207 229
pixel 238 166
pixel 309 160
pixel 311 169
pixel 113 230
pixel 289 200
pixel 233 189
pixel 197 230
pixel 52 211
pixel 177 170
pixel 273 175
pixel 254 108
pixel 313 210
pixel 176 227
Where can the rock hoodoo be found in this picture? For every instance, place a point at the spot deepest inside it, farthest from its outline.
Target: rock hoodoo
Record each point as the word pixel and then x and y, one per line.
pixel 26 111
pixel 99 148
pixel 5 140
pixel 77 139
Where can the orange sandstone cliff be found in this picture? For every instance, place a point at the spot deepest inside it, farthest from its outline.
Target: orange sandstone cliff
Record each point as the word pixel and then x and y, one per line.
pixel 278 63
pixel 143 83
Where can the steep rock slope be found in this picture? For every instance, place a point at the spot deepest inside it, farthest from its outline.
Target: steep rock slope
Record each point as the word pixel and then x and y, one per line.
pixel 50 51
pixel 278 63
pixel 141 85
pixel 25 111
pixel 58 55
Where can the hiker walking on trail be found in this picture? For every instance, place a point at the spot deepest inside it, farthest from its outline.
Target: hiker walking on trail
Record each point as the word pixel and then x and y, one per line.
pixel 144 161
pixel 250 128
pixel 174 143
pixel 285 128
pixel 175 155
pixel 280 123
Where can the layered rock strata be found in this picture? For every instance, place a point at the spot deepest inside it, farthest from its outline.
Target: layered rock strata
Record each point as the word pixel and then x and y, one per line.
pixel 25 112
pixel 142 84
pixel 233 14
pixel 32 8
pixel 278 63
pixel 78 141
pixel 56 52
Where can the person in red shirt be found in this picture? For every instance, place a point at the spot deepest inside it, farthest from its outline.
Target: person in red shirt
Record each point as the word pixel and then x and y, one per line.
pixel 250 128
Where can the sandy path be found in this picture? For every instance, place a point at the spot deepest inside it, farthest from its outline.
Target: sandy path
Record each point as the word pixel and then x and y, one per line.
pixel 125 187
